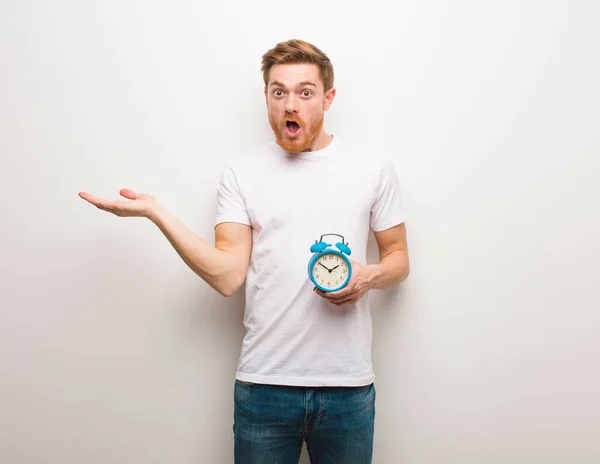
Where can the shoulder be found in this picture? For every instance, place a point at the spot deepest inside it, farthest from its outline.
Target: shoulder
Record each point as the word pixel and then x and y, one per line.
pixel 250 161
pixel 247 169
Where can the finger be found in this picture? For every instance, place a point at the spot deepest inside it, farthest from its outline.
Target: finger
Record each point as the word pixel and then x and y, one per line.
pixel 340 298
pixel 335 297
pixel 105 205
pixel 129 194
pixel 346 302
pixel 340 293
pixel 87 197
pixel 108 210
pixel 93 200
pixel 322 293
pixel 343 302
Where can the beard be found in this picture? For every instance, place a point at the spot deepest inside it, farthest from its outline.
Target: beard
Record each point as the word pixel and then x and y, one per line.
pixel 303 140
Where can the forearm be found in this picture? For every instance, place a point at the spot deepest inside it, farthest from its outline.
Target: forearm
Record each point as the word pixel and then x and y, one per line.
pixel 216 267
pixel 391 270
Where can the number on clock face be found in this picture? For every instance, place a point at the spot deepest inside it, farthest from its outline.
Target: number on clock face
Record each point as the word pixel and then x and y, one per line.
pixel 330 270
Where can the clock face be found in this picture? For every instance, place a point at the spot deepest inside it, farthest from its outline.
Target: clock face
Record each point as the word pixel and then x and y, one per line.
pixel 330 270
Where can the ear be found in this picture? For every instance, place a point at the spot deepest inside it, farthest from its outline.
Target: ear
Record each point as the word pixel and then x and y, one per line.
pixel 329 97
pixel 266 98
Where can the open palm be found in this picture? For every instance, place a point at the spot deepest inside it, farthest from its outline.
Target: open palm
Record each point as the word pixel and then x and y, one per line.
pixel 142 204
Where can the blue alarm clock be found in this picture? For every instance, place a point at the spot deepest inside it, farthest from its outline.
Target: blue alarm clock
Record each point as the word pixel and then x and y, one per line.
pixel 330 269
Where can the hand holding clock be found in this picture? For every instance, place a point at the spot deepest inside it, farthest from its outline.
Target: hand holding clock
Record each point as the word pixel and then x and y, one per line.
pixel 360 283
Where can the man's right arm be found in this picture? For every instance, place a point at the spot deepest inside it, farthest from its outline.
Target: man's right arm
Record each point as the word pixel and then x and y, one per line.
pixel 222 266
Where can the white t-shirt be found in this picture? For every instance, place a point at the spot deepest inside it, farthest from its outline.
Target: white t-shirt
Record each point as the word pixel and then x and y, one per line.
pixel 293 335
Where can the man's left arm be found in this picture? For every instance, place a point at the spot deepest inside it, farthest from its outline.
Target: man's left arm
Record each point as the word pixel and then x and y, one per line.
pixel 393 267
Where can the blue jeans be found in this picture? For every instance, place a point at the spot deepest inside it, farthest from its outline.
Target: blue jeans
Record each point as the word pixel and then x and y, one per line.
pixel 271 422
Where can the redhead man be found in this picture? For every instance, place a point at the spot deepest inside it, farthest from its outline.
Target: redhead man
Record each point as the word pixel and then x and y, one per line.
pixel 305 372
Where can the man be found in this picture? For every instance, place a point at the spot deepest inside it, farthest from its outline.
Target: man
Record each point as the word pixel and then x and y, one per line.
pixel 305 371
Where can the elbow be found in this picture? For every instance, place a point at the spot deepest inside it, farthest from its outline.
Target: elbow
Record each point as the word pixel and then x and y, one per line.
pixel 226 291
pixel 405 273
pixel 230 285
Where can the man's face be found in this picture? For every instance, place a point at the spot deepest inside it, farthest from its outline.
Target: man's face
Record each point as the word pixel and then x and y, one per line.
pixel 296 102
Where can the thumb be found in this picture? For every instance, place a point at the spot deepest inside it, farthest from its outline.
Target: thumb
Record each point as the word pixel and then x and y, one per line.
pixel 129 194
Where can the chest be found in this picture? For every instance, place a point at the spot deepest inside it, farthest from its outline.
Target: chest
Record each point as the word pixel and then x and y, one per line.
pixel 328 198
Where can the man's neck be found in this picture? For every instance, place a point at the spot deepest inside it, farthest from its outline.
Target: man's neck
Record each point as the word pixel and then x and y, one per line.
pixel 321 141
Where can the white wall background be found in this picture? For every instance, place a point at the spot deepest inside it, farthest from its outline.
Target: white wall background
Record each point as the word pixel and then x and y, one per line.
pixel 113 352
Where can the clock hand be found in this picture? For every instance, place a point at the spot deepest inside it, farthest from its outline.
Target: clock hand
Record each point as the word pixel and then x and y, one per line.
pixel 334 268
pixel 325 267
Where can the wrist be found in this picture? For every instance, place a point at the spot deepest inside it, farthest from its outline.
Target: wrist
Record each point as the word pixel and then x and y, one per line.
pixel 156 213
pixel 375 274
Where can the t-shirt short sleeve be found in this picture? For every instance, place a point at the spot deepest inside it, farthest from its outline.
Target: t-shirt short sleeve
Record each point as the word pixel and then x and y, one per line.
pixel 231 206
pixel 387 210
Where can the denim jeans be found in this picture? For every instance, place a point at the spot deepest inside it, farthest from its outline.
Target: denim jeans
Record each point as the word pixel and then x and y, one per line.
pixel 271 422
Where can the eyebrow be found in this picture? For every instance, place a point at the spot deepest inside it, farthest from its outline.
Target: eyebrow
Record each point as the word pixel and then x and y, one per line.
pixel 301 84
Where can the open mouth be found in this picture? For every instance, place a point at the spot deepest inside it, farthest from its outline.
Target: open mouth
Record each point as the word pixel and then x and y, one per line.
pixel 292 128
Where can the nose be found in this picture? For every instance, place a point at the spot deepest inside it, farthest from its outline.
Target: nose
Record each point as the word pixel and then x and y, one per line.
pixel 291 104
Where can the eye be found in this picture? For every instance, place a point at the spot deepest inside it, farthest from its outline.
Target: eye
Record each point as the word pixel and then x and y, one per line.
pixel 278 92
pixel 306 93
